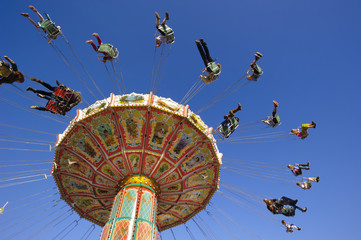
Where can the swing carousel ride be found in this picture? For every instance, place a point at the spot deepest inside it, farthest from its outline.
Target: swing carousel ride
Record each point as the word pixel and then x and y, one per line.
pixel 137 162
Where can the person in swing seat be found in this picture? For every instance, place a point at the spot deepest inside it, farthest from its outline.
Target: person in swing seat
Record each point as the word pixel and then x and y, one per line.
pixel 274 120
pixel 302 132
pixel 45 24
pixel 109 51
pixel 255 69
pixel 212 68
pixel 61 99
pixel 166 34
pixel 231 122
pixel 10 74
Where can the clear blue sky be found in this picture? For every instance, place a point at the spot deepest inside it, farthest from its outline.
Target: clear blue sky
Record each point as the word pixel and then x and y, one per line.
pixel 311 66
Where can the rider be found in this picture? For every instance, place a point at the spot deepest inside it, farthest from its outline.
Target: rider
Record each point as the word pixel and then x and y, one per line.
pixel 297 168
pixel 109 51
pixel 303 131
pixel 306 182
pixel 213 69
pixel 274 120
pixel 166 34
pixel 290 227
pixel 229 125
pixel 46 25
pixel 255 69
pixel 276 206
pixel 10 74
pixel 61 100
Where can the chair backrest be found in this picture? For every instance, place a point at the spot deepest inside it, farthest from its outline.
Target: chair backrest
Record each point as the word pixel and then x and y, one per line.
pixel 108 49
pixel 50 28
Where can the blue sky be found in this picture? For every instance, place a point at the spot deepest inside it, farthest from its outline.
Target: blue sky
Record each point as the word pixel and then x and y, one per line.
pixel 311 67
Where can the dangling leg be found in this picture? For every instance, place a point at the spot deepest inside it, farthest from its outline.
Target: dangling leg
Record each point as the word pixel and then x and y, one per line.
pixel 275 106
pixel 93 45
pixel 301 209
pixel 200 49
pixel 48 86
pixel 31 20
pixel 204 44
pixel 39 91
pixel 42 96
pixel 41 108
pixel 304 166
pixel 37 13
pixel 257 56
pixel 158 19
pixel 98 38
pixel 295 227
pixel 313 179
pixel 165 19
pixel 239 108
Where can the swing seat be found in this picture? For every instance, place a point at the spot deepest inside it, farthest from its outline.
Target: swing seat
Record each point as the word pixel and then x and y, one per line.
pixel 214 68
pixel 52 106
pixel 68 96
pixel 50 28
pixel 278 119
pixel 167 32
pixel 5 70
pixel 109 50
pixel 270 121
pixel 209 79
pixel 227 127
pixel 257 70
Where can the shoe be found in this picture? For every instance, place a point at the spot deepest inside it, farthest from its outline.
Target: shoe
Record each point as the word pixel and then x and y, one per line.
pixel 239 107
pixel 314 124
pixel 166 15
pixel 29 89
pixel 89 41
pixel 317 179
pixel 202 40
pixel 258 55
pixel 308 164
pixel 275 103
pixel 33 8
pixel 24 14
pixel 295 202
pixel 157 15
pixel 57 82
pixel 299 229
pixel 304 210
pixel 95 34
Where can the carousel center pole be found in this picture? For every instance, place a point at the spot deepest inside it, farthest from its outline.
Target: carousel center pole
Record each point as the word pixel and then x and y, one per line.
pixel 133 214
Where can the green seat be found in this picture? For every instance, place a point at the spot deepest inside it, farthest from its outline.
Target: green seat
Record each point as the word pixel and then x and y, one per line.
pixel 168 33
pixel 228 126
pixel 214 68
pixel 108 49
pixel 49 27
pixel 278 119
